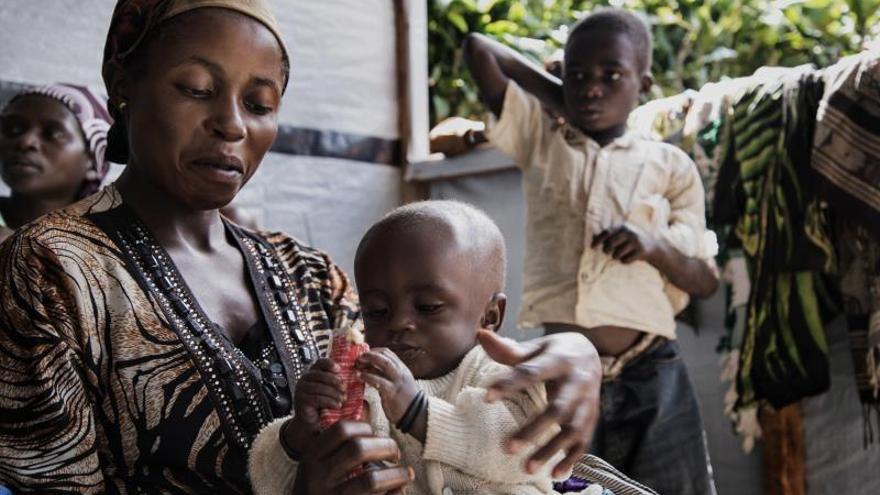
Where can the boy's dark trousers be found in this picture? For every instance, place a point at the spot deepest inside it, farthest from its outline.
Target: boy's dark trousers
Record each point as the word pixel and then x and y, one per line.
pixel 650 427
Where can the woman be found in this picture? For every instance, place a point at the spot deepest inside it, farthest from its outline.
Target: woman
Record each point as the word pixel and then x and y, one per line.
pixel 52 143
pixel 146 345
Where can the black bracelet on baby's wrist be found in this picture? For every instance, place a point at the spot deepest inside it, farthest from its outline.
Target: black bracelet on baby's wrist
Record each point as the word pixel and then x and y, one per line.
pixel 415 408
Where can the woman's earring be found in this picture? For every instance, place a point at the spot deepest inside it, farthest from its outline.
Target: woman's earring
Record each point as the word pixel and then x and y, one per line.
pixel 122 106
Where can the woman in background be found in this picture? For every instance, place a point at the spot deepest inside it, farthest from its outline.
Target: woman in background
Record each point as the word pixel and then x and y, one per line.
pixel 52 151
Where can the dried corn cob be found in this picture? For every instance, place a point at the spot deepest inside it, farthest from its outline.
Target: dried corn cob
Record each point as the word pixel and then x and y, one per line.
pixel 347 345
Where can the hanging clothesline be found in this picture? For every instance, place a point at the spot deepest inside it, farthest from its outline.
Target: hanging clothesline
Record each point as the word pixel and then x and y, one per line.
pixel 790 158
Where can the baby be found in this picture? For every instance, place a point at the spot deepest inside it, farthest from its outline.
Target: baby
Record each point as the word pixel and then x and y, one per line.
pixel 430 277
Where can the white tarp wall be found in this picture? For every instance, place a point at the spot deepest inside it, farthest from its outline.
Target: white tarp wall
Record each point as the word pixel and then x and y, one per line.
pixel 342 90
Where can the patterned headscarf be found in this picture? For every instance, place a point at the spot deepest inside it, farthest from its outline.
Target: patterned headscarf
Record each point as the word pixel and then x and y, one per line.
pixel 91 113
pixel 133 20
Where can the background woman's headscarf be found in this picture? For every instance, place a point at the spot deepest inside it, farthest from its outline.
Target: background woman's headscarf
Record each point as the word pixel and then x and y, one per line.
pixel 91 113
pixel 131 25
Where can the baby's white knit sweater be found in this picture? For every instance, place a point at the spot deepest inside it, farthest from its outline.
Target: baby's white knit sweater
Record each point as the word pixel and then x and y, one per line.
pixel 463 451
pixel 462 454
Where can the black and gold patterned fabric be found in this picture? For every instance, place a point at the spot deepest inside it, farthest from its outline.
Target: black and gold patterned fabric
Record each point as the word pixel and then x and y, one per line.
pixel 113 380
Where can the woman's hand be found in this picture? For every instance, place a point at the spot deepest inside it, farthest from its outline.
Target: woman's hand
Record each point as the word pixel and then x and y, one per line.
pixel 384 371
pixel 326 467
pixel 569 365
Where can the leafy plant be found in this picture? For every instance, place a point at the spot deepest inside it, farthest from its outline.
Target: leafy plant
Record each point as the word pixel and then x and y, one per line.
pixel 695 41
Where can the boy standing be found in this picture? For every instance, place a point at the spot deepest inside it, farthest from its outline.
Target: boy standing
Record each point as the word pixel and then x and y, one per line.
pixel 615 236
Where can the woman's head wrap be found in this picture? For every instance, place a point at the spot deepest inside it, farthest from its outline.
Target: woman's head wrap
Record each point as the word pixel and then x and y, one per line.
pixel 91 114
pixel 134 20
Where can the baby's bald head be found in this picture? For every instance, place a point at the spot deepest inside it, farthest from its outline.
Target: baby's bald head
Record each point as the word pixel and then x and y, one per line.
pixel 430 276
pixel 449 225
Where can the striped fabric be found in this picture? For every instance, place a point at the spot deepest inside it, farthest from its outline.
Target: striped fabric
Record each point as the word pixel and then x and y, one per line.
pixel 765 192
pixel 846 155
pixel 595 470
pixel 846 148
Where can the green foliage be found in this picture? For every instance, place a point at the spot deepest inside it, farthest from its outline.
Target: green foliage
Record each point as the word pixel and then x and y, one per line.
pixel 695 41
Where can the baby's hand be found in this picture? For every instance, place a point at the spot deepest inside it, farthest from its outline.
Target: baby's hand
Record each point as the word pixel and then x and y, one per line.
pixel 383 370
pixel 625 244
pixel 320 388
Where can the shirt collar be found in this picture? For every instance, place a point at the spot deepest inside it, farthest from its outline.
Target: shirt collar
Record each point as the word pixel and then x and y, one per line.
pixel 576 137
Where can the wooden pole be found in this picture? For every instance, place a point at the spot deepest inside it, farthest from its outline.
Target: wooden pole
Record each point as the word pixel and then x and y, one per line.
pixel 783 451
pixel 409 191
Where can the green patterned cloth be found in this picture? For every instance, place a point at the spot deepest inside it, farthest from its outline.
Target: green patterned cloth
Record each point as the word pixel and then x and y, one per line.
pixel 772 149
pixel 752 139
pixel 765 194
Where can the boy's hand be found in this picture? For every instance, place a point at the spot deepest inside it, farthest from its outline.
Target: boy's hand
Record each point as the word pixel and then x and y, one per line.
pixel 383 370
pixel 626 245
pixel 320 388
pixel 695 276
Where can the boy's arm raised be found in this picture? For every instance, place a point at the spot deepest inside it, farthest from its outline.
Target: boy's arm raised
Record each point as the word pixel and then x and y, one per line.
pixel 492 65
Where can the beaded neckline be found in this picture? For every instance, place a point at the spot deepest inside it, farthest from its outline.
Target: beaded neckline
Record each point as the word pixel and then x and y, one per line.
pixel 228 374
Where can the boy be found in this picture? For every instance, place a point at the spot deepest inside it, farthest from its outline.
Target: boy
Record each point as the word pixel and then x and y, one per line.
pixel 615 236
pixel 430 276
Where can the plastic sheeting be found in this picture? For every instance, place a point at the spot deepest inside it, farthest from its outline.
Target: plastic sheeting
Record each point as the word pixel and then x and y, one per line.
pixel 343 70
pixel 343 56
pixel 59 41
pixel 324 202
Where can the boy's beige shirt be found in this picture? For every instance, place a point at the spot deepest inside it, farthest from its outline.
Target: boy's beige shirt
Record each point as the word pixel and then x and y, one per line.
pixel 574 190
